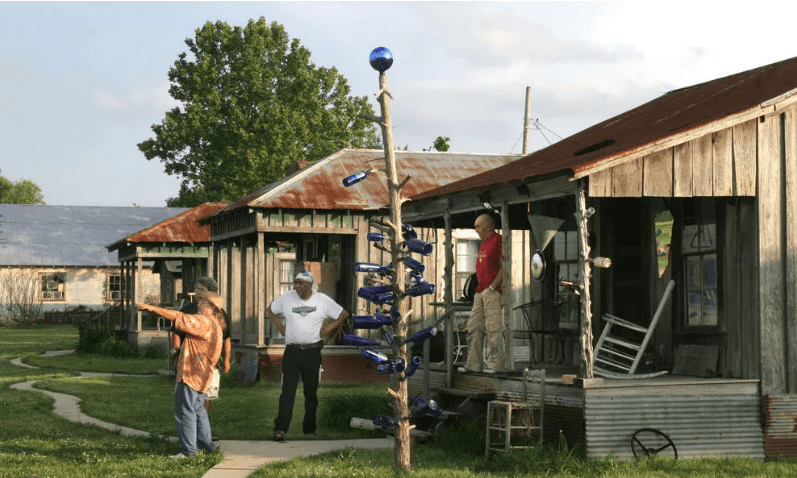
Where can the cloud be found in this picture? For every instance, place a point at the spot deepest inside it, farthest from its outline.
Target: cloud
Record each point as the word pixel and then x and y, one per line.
pixel 492 37
pixel 135 101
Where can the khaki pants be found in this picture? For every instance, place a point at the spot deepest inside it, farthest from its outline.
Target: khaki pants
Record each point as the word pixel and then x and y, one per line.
pixel 485 318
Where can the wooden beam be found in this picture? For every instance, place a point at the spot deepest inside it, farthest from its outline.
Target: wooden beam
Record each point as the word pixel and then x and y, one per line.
pixel 657 173
pixel 600 184
pixel 790 164
pixel 506 267
pixel 682 170
pixel 702 169
pixel 260 289
pixel 627 179
pixel 744 158
pixel 722 162
pixel 770 254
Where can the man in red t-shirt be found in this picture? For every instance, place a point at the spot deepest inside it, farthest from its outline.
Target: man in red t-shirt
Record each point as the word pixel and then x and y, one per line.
pixel 485 316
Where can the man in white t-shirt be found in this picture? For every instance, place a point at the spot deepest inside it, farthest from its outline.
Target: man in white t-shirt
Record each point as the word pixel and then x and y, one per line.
pixel 305 311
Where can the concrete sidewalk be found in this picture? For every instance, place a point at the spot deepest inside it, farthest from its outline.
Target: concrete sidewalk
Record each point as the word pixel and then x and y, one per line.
pixel 244 457
pixel 240 457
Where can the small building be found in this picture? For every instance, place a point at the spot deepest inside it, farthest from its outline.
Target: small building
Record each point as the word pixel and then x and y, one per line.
pixel 309 220
pixel 64 246
pixel 178 249
pixel 698 186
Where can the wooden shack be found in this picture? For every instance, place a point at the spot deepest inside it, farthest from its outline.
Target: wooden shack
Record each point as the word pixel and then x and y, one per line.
pixel 698 186
pixel 309 220
pixel 178 249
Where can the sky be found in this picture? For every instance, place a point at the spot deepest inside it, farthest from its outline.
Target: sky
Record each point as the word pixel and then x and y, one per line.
pixel 82 83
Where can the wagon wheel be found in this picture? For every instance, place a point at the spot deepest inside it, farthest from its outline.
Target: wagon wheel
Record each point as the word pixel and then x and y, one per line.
pixel 649 441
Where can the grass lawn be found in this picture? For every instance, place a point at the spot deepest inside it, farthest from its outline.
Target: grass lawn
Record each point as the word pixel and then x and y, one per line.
pixel 35 442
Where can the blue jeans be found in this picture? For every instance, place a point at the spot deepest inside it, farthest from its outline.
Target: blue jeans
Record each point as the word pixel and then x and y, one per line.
pixel 193 427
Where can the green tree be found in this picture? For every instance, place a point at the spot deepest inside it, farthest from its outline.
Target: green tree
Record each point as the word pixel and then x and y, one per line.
pixel 440 144
pixel 252 103
pixel 20 192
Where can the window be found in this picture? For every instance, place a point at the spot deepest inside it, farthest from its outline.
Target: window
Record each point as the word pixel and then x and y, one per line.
pixel 565 257
pixel 467 251
pixel 699 239
pixel 286 275
pixel 53 286
pixel 114 287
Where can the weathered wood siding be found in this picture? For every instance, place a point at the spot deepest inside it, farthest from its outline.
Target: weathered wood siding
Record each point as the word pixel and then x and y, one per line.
pixel 722 163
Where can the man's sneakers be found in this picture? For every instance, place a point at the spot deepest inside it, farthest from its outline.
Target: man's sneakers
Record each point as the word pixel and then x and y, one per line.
pixel 311 435
pixel 178 456
pixel 279 435
pixel 463 370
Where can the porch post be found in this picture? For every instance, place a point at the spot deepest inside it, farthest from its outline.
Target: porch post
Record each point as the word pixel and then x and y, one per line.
pixel 448 296
pixel 506 266
pixel 586 305
pixel 260 289
pixel 137 280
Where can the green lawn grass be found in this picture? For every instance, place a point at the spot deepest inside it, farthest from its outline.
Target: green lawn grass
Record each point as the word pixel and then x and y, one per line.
pixel 35 442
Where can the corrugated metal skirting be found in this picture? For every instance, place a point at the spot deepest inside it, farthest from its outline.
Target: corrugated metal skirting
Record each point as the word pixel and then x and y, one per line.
pixel 781 426
pixel 699 425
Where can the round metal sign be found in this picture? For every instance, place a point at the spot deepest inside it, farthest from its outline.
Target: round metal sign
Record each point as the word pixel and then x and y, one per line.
pixel 538 266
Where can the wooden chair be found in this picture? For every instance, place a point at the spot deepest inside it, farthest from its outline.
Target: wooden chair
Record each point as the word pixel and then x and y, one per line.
pixel 617 356
pixel 522 419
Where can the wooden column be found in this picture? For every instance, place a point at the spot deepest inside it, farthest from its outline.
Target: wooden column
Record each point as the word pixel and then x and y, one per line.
pixel 448 295
pixel 586 306
pixel 139 298
pixel 260 292
pixel 506 267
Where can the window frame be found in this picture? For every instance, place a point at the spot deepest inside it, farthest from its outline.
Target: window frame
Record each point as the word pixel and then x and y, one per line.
pixel 52 283
pixel 695 257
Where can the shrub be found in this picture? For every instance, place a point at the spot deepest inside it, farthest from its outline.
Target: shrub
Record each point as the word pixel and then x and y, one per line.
pixel 336 411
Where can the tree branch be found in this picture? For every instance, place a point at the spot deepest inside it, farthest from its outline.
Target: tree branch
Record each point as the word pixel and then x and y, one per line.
pixel 374 118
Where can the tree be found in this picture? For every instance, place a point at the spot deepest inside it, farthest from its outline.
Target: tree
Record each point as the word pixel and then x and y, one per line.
pixel 440 144
pixel 20 192
pixel 252 103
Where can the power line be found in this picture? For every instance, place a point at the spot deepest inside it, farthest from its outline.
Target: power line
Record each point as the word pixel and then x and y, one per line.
pixel 537 126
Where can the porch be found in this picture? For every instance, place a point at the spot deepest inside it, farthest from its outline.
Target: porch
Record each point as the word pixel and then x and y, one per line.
pixel 715 417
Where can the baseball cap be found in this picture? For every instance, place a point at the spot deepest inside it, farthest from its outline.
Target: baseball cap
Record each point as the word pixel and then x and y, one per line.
pixel 305 276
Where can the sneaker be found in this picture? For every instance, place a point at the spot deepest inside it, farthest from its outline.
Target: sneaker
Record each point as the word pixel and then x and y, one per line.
pixel 488 370
pixel 178 456
pixel 214 438
pixel 464 370
pixel 279 435
pixel 311 435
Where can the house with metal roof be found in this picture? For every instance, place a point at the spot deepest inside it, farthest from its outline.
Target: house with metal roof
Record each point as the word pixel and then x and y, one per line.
pixel 309 220
pixel 697 188
pixel 64 248
pixel 178 249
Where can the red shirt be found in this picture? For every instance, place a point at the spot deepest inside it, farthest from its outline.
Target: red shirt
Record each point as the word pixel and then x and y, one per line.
pixel 489 262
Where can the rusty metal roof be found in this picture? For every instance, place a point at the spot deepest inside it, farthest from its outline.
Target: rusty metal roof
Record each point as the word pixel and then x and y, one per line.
pixel 319 185
pixel 183 227
pixel 670 115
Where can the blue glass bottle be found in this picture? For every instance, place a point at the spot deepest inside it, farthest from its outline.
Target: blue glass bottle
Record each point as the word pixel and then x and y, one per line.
pixel 357 341
pixel 384 421
pixel 420 289
pixel 424 407
pixel 419 246
pixel 385 368
pixel 366 267
pixel 413 366
pixel 408 232
pixel 365 322
pixel 369 292
pixel 376 237
pixel 399 365
pixel 422 335
pixel 374 356
pixel 414 265
pixel 356 177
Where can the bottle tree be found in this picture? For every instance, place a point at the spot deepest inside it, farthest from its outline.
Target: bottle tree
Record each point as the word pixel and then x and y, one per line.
pixel 400 279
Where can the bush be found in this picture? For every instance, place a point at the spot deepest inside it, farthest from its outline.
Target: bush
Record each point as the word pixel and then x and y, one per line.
pixel 92 337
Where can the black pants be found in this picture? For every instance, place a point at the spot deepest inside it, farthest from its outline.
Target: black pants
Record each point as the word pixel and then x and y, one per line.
pixel 305 364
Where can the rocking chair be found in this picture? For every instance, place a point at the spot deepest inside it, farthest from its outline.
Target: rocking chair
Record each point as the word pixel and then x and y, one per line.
pixel 618 357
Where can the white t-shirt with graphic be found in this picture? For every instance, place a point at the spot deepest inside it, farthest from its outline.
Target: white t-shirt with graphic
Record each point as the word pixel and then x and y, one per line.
pixel 304 318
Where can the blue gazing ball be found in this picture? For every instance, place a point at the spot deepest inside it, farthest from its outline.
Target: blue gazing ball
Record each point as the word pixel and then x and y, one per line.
pixel 381 59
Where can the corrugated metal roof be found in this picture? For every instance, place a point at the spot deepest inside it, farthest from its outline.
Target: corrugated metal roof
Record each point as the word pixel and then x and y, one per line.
pixel 319 185
pixel 668 116
pixel 183 227
pixel 69 236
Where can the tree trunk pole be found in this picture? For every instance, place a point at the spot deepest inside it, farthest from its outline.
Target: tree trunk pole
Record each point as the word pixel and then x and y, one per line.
pixel 586 303
pixel 400 402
